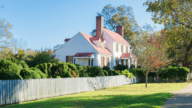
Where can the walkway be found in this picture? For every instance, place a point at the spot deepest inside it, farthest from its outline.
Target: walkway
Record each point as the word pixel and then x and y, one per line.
pixel 180 99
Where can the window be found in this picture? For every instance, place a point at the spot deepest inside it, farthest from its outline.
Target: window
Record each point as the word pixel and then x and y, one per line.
pixel 69 59
pixel 108 61
pixel 122 48
pixel 117 47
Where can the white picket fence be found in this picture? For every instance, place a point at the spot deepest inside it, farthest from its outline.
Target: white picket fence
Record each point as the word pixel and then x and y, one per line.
pixel 16 91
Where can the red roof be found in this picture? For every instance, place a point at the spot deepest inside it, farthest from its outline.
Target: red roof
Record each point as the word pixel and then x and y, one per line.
pixel 133 55
pixel 116 37
pixel 87 54
pixel 100 50
pixel 125 55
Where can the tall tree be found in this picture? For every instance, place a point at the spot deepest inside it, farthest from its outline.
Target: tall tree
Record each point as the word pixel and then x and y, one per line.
pixel 121 16
pixel 176 15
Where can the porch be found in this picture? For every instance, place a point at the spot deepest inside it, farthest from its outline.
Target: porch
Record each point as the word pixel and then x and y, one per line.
pixel 83 59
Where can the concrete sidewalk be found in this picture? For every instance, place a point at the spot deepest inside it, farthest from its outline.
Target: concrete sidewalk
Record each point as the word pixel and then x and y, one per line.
pixel 180 99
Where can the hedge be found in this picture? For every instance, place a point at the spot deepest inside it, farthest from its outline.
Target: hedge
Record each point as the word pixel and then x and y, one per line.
pixel 9 66
pixel 8 75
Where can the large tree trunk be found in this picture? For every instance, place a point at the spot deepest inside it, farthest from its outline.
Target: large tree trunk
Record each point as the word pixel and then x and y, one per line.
pixel 146 81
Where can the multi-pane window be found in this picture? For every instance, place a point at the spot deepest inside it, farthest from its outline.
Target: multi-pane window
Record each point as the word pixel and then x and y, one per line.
pixel 69 59
pixel 117 47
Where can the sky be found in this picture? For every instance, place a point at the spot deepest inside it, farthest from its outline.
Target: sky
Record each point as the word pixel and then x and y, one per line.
pixel 45 23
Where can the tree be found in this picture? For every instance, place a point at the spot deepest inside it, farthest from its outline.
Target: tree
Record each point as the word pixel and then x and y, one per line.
pixel 121 16
pixel 152 52
pixel 176 15
pixel 40 57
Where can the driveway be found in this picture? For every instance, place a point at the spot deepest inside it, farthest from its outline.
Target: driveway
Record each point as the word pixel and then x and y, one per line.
pixel 180 99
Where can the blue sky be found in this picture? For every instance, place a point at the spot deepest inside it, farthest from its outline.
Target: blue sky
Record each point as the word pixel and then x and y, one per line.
pixel 46 23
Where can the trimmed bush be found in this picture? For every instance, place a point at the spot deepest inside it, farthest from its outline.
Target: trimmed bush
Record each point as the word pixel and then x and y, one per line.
pixel 120 67
pixel 101 73
pixel 95 71
pixel 9 66
pixel 26 73
pixel 106 68
pixel 72 66
pixel 14 60
pixel 113 72
pixel 43 68
pixel 78 67
pixel 127 73
pixel 24 65
pixel 105 72
pixel 132 66
pixel 8 75
pixel 137 72
pixel 35 75
pixel 42 75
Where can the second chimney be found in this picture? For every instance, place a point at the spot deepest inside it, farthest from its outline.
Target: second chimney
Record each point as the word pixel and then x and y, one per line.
pixel 120 30
pixel 99 26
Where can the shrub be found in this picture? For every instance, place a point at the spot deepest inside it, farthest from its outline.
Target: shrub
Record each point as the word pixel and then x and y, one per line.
pixel 56 76
pixel 14 60
pixel 120 67
pixel 35 75
pixel 43 68
pixel 26 73
pixel 105 72
pixel 95 71
pixel 106 68
pixel 113 72
pixel 74 74
pixel 101 73
pixel 137 72
pixel 72 66
pixel 8 75
pixel 9 66
pixel 78 67
pixel 132 66
pixel 127 73
pixel 24 65
pixel 182 73
pixel 42 75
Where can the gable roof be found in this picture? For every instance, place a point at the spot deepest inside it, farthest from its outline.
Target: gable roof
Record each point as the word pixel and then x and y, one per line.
pixel 125 55
pixel 116 37
pixel 88 54
pixel 100 50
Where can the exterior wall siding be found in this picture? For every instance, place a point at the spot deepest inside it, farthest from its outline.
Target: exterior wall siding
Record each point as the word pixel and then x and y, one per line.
pixel 69 48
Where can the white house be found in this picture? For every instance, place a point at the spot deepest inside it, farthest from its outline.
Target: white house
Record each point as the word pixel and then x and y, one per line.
pixel 108 48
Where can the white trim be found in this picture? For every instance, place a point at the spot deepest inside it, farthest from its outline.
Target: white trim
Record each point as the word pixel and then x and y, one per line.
pixel 83 57
pixel 104 54
pixel 122 44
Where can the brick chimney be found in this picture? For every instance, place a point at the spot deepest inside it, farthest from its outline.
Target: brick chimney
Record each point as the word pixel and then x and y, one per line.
pixel 120 30
pixel 99 26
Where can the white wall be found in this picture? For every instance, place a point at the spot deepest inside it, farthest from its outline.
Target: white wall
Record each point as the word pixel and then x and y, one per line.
pixel 77 44
pixel 109 41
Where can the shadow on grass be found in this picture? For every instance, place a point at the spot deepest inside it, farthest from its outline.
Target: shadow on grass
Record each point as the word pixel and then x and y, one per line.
pixel 136 101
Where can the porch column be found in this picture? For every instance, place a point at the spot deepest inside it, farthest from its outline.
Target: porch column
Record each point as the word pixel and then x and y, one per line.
pixel 129 63
pixel 90 61
pixel 82 62
pixel 135 63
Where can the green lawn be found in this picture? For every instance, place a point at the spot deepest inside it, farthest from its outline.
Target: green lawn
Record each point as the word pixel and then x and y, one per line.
pixel 128 96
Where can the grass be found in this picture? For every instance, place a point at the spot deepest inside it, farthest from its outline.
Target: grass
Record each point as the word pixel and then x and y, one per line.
pixel 128 96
